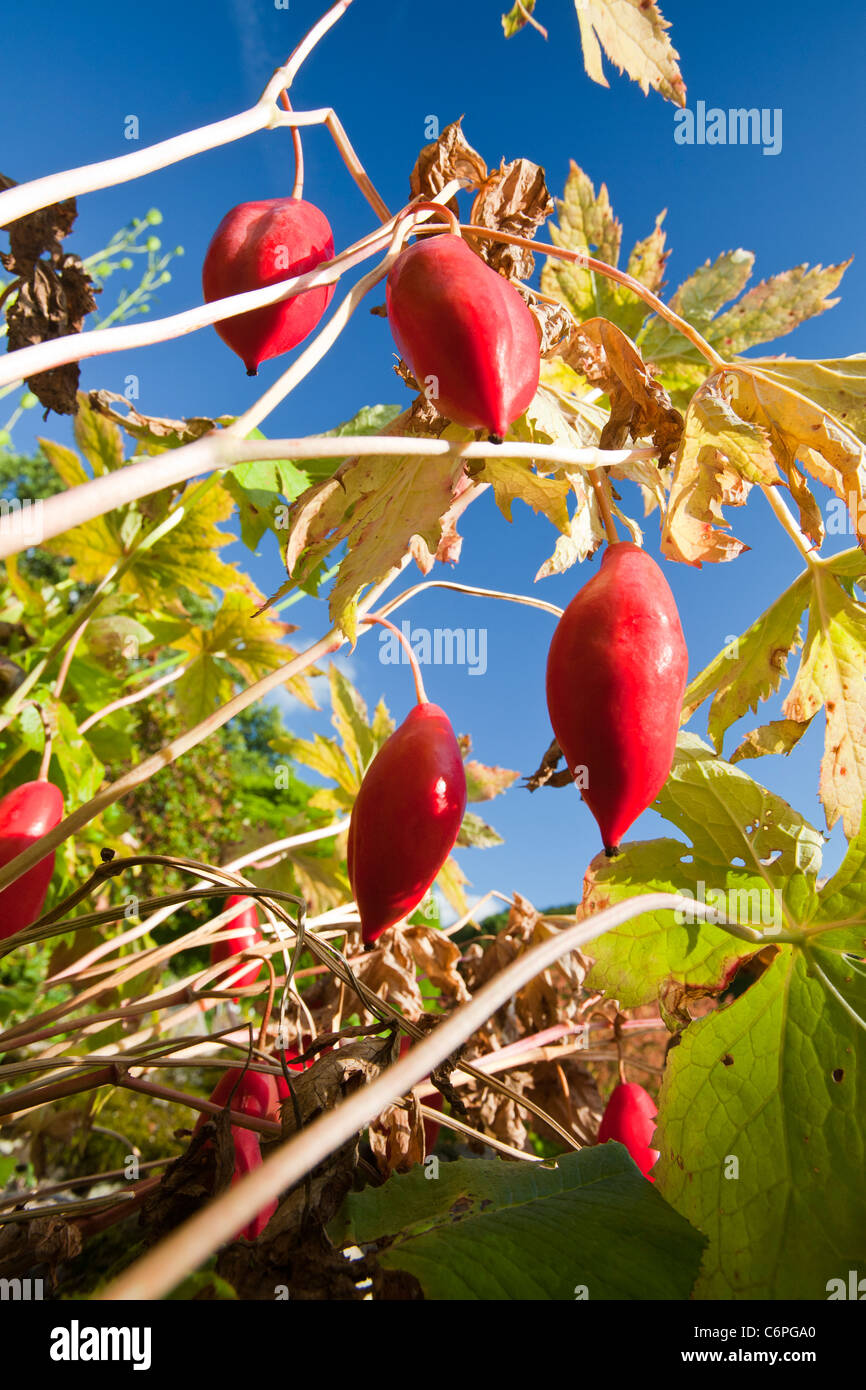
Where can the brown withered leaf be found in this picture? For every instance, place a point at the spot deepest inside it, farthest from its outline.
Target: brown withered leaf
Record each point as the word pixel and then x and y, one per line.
pixel 540 1003
pixel 46 1240
pixel 720 457
pixel 446 158
pixel 546 774
pixel 397 1138
pixel 38 233
pixel 640 407
pixel 554 323
pixel 566 1090
pixel 52 302
pixel 55 295
pixel 389 971
pixel 513 198
pixel 437 957
pixel 202 1170
pixel 500 1116
pixel 150 429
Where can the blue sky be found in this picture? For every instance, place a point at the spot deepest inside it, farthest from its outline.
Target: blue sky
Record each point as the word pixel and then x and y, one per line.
pixel 386 68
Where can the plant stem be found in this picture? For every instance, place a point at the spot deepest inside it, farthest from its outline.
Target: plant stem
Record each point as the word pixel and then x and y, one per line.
pixel 603 501
pixel 420 692
pixel 163 1267
pixel 141 694
pixel 620 276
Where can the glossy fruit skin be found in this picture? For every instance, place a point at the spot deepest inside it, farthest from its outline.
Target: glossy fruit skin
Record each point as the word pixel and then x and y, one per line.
pixel 258 244
pixel 629 1117
pixel 26 814
pixel 458 321
pixel 616 673
pixel 245 934
pixel 405 819
pixel 256 1095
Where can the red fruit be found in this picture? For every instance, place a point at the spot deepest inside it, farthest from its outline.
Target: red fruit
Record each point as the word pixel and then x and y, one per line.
pixel 256 1095
pixel 616 672
pixel 406 818
pixel 26 814
pixel 258 244
pixel 248 1155
pixel 459 322
pixel 434 1102
pixel 245 935
pixel 629 1116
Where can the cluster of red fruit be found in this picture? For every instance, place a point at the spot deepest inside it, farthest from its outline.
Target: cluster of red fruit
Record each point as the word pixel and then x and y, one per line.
pixel 616 668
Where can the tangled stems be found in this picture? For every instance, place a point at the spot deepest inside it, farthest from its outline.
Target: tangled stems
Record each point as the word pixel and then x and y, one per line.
pixel 189 1246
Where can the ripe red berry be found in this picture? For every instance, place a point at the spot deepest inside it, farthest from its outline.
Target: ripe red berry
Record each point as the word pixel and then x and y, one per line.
pixel 629 1117
pixel 258 244
pixel 406 818
pixel 26 814
pixel 465 332
pixel 245 934
pixel 256 1095
pixel 616 673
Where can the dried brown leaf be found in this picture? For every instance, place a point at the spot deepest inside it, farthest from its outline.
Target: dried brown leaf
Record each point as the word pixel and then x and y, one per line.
pixel 640 406
pixel 446 158
pixel 514 198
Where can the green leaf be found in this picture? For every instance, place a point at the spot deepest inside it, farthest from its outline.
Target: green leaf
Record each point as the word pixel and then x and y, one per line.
pixel 751 668
pixel 474 833
pixel 749 853
pixel 831 675
pixel 697 300
pixel 100 441
pixel 776 307
pixel 776 1083
pixel 838 385
pixel 483 783
pixel 502 1231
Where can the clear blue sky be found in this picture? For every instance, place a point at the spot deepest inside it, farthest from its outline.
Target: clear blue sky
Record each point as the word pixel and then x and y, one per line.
pixel 386 68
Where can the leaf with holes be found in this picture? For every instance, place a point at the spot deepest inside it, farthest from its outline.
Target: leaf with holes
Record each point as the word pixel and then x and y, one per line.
pixel 492 1230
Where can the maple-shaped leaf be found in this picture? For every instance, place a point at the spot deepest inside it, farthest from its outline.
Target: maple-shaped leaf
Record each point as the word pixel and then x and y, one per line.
pixel 745 844
pixel 751 668
pixel 378 506
pixel 832 674
pixel 633 35
pixel 837 385
pixel 804 439
pixel 769 310
pixel 698 299
pixel 239 646
pixel 718 460
pixel 344 759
